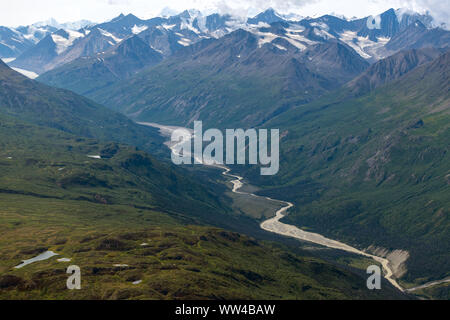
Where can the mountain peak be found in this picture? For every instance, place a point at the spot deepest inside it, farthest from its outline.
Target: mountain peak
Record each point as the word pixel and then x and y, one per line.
pixel 190 14
pixel 131 16
pixel 128 17
pixel 390 12
pixel 270 10
pixel 50 22
pixel 184 14
pixel 268 16
pixel 119 17
pixel 167 12
pixel 63 33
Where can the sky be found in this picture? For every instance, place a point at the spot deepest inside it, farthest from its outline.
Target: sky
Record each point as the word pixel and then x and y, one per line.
pixel 25 12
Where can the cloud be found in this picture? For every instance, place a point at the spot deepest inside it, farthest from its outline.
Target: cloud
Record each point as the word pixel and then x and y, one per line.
pixel 118 2
pixel 26 11
pixel 439 9
pixel 251 7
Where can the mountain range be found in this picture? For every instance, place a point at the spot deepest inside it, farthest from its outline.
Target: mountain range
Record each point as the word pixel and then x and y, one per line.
pixel 305 59
pixel 169 34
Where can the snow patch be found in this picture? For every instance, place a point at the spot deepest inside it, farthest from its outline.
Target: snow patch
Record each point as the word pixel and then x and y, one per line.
pixel 109 35
pixel 295 28
pixel 323 34
pixel 295 39
pixel 138 29
pixel 168 26
pixel 365 47
pixel 321 25
pixel 351 39
pixel 62 44
pixel 265 38
pixel 7 45
pixel 301 38
pixel 185 42
pixel 279 47
pixel 8 60
pixel 26 73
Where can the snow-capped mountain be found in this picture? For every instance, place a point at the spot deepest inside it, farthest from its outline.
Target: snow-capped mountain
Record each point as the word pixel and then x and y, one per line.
pixel 15 41
pixel 269 16
pixel 65 46
pixel 76 25
pixel 12 42
pixel 373 38
pixel 38 57
pixel 36 33
pixel 369 36
pixel 119 62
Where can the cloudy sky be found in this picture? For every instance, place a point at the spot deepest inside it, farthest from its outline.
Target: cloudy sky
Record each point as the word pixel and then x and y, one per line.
pixel 23 12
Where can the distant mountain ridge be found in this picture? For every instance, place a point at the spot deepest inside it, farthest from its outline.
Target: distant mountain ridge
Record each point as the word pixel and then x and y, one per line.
pixel 15 41
pixel 87 74
pixel 265 68
pixel 169 34
pixel 75 25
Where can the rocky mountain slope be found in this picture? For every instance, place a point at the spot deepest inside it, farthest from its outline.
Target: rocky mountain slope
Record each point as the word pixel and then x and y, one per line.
pixel 87 74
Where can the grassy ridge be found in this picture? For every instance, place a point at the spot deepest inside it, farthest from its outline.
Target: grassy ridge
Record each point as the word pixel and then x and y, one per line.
pixel 36 103
pixel 177 263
